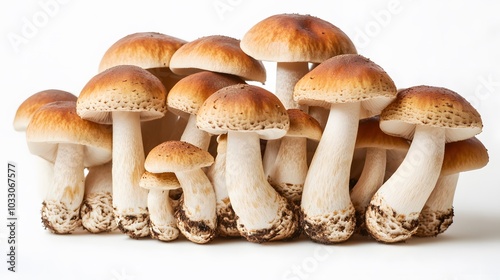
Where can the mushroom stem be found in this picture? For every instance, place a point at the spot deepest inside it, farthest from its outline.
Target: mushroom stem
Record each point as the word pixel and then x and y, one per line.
pixel 437 214
pixel 44 173
pixel 61 206
pixel 287 75
pixel 263 215
pixel 163 225
pixel 394 209
pixel 326 205
pixel 129 200
pixel 195 136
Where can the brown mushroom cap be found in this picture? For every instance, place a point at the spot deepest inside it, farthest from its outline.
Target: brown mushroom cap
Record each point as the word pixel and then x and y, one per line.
pixel 303 125
pixel 463 156
pixel 26 110
pixel 122 88
pixel 431 106
pixel 159 181
pixel 218 54
pixel 57 122
pixel 244 108
pixel 295 38
pixel 371 136
pixel 177 156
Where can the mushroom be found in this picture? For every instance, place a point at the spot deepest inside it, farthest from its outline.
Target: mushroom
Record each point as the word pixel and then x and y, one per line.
pixel 125 95
pixel 97 206
pixel 57 134
pixel 376 143
pixel 430 117
pixel 247 113
pixel 352 87
pixel 196 218
pixel 162 222
pixel 437 214
pixel 290 169
pixel 187 96
pixel 151 51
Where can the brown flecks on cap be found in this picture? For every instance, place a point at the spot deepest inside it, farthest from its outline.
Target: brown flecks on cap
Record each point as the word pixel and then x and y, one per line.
pixel 463 156
pixel 303 125
pixel 175 156
pixel 331 228
pixel 371 136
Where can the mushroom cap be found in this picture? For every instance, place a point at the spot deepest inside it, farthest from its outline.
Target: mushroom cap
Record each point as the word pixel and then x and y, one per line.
pixel 244 108
pixel 347 78
pixel 125 88
pixel 188 94
pixel 465 155
pixel 26 110
pixel 295 38
pixel 303 125
pixel 159 181
pixel 177 156
pixel 371 136
pixel 218 54
pixel 144 49
pixel 431 106
pixel 57 123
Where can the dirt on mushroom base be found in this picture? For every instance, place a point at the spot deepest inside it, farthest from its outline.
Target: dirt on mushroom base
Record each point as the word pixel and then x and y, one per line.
pixel 98 203
pixel 141 221
pixel 323 229
pixel 436 222
pixel 56 209
pixel 199 231
pixel 227 221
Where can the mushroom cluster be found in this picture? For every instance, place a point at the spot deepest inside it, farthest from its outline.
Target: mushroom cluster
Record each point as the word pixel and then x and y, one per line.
pixel 175 138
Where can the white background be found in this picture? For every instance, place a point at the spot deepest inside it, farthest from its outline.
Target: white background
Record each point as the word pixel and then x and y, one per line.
pixel 454 44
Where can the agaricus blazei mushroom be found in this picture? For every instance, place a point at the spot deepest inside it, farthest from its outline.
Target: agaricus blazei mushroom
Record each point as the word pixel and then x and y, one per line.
pixel 97 206
pixel 289 172
pixel 376 143
pixel 460 156
pixel 162 221
pixel 196 217
pixel 57 134
pixel 125 96
pixel 352 87
pixel 430 117
pixel 247 113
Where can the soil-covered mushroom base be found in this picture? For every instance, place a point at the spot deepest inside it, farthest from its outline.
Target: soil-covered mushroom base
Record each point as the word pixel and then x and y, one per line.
pixel 335 227
pixel 57 218
pixel 97 213
pixel 434 222
pixel 135 225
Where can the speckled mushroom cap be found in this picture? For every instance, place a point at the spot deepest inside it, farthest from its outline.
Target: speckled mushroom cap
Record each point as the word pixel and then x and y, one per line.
pixel 176 156
pixel 303 125
pixel 125 88
pixel 465 155
pixel 431 106
pixel 371 136
pixel 218 54
pixel 347 78
pixel 159 181
pixel 144 49
pixel 26 110
pixel 188 94
pixel 244 108
pixel 56 123
pixel 295 38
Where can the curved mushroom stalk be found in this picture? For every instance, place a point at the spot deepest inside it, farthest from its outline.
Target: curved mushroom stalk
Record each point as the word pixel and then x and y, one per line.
pixel 61 206
pixel 97 207
pixel 195 136
pixel 163 225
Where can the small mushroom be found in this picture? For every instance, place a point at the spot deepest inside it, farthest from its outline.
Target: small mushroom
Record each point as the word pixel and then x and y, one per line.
pixel 196 217
pixel 162 222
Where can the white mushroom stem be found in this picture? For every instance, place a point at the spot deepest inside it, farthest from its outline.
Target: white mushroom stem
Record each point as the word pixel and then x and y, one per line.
pixel 198 196
pixel 129 200
pixel 61 207
pixel 44 172
pixel 441 198
pixel 287 75
pixel 161 215
pixel 195 136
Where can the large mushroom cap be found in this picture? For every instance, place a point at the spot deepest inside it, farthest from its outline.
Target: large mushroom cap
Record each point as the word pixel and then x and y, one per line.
pixel 303 125
pixel 159 181
pixel 431 106
pixel 244 108
pixel 144 49
pixel 465 155
pixel 122 88
pixel 177 156
pixel 371 136
pixel 57 123
pixel 29 106
pixel 347 78
pixel 295 38
pixel 218 54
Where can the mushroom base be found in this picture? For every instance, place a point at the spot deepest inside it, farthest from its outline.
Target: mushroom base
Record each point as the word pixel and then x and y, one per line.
pixel 226 220
pixel 134 224
pixel 292 192
pixel 360 223
pixel 285 226
pixel 97 213
pixel 163 232
pixel 434 222
pixel 385 225
pixel 195 231
pixel 57 218
pixel 330 228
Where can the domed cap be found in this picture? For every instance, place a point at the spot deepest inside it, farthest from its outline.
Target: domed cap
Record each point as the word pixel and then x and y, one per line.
pixel 347 78
pixel 177 156
pixel 125 88
pixel 159 181
pixel 244 108
pixel 303 125
pixel 218 54
pixel 465 155
pixel 295 38
pixel 431 106
pixel 371 136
